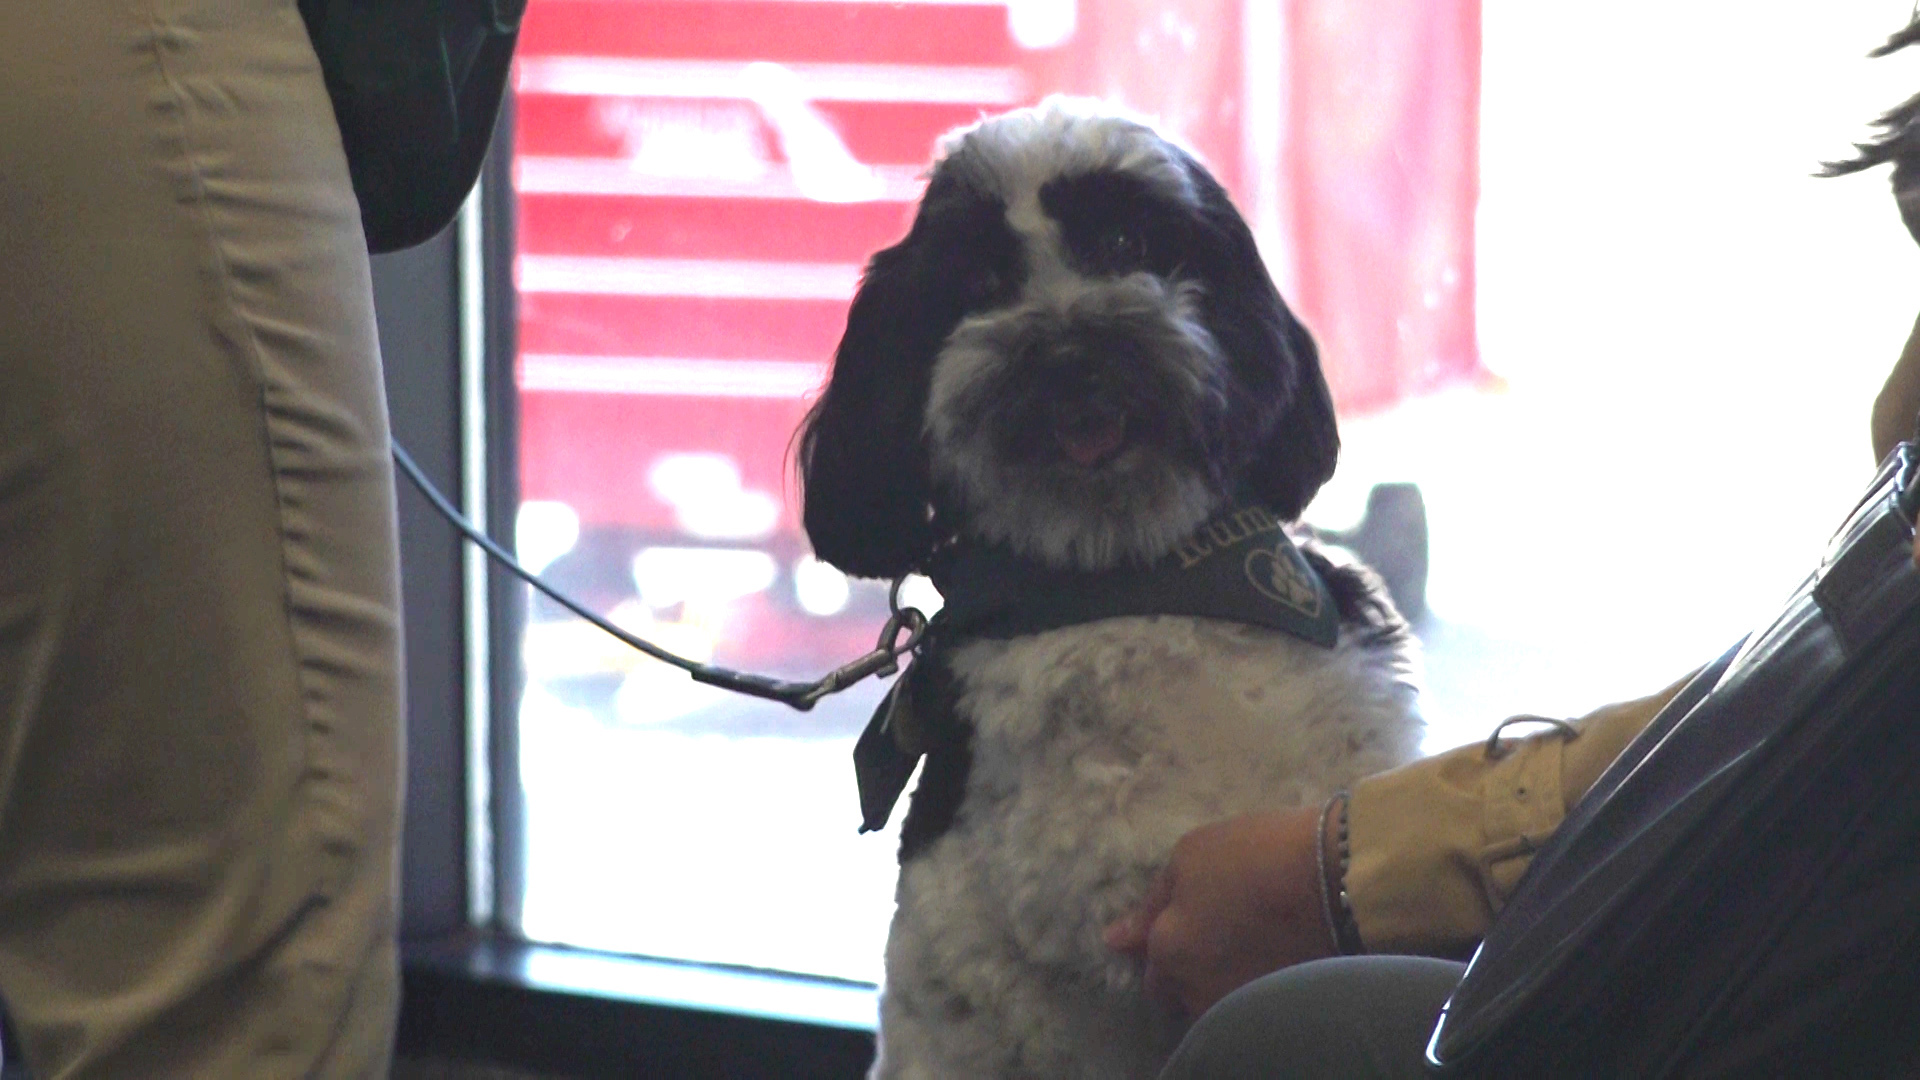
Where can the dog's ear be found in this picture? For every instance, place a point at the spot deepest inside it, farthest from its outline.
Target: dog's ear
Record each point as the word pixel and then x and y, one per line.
pixel 861 456
pixel 1303 445
pixel 1289 426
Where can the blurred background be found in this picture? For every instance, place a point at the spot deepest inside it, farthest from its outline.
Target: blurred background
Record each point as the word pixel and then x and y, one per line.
pixel 1567 264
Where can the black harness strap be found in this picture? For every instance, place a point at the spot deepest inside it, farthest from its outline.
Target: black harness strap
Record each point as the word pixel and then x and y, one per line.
pixel 1240 567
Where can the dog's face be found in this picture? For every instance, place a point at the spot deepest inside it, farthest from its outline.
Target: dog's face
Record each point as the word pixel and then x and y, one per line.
pixel 1075 352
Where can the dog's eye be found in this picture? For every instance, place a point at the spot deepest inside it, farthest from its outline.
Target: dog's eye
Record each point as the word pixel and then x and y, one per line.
pixel 1123 248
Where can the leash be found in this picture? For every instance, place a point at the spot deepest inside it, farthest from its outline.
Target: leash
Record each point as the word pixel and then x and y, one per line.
pixel 904 628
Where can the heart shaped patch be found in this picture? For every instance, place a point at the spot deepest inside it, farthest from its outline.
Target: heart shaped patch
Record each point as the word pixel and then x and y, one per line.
pixel 1279 574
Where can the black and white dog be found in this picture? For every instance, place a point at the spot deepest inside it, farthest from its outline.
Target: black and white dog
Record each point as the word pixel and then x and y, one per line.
pixel 1075 369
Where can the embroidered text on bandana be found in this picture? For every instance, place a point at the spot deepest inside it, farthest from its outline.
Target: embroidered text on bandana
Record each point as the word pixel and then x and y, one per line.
pixel 1239 567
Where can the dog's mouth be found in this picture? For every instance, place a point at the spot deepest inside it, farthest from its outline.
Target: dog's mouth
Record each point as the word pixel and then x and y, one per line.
pixel 1089 434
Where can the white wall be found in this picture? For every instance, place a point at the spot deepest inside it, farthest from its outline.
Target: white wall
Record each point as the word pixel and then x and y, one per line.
pixel 1691 328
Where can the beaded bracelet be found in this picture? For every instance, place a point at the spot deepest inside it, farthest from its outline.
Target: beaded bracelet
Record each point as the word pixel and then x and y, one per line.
pixel 1320 866
pixel 1346 927
pixel 1335 904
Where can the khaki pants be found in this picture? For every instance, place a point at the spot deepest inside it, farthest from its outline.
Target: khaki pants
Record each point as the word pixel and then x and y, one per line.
pixel 199 658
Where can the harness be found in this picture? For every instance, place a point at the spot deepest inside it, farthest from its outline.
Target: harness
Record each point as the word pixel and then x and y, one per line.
pixel 1239 567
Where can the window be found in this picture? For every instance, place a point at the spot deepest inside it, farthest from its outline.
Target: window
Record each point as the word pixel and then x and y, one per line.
pixel 1568 269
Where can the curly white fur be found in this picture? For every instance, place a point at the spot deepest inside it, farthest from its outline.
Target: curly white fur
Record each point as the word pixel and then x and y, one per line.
pixel 1096 748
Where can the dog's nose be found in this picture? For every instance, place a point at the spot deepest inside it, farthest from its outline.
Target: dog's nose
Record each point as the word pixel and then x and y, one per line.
pixel 1088 431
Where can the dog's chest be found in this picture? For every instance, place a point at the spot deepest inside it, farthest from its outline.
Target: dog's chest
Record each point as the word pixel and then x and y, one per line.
pixel 1159 723
pixel 1090 751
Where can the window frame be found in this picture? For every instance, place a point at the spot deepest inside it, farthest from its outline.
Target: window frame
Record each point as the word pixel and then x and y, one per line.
pixel 472 989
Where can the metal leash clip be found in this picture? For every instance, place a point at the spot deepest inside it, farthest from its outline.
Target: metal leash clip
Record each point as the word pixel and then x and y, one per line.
pixel 884 660
pixel 904 628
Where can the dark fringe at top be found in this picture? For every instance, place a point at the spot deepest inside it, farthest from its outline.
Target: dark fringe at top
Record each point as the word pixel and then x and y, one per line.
pixel 1899 138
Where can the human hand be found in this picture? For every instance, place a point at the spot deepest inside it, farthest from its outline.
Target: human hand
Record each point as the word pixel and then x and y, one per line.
pixel 1238 899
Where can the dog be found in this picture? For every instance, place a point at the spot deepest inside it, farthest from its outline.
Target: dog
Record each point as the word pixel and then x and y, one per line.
pixel 1075 369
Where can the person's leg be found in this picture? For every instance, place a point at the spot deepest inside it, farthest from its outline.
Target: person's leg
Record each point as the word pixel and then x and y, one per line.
pixel 199 659
pixel 1355 1018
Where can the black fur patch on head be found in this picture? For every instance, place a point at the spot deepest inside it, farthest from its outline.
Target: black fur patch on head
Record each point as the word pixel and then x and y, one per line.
pixel 1114 223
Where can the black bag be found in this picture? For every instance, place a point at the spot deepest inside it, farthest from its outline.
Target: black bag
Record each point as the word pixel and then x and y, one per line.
pixel 416 87
pixel 1739 893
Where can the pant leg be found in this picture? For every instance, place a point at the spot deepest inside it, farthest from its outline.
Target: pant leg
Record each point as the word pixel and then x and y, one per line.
pixel 1355 1018
pixel 199 658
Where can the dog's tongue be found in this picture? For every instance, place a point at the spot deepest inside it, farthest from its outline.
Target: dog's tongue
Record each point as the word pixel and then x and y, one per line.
pixel 1089 440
